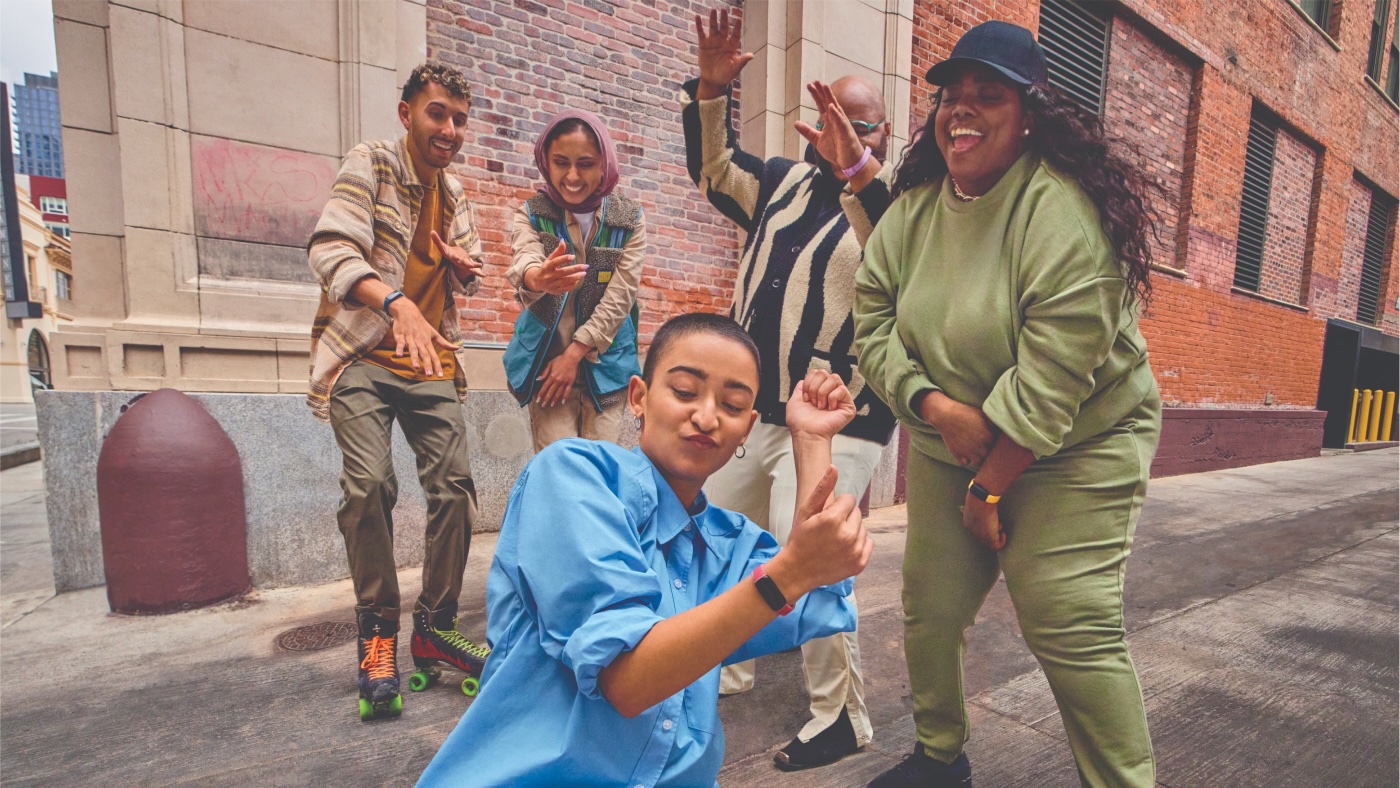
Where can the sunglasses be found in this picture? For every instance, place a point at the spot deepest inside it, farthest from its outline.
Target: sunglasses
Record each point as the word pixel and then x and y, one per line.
pixel 862 128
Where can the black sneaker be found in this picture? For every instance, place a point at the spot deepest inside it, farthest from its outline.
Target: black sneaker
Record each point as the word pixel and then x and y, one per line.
pixel 827 747
pixel 923 771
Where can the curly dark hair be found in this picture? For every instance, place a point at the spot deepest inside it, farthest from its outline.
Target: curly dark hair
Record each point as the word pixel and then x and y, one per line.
pixel 1073 141
pixel 450 78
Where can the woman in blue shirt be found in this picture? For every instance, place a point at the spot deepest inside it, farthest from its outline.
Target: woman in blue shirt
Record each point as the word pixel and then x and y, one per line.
pixel 617 592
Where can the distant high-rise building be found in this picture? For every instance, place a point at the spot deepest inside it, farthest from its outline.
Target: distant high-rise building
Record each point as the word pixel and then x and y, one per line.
pixel 38 131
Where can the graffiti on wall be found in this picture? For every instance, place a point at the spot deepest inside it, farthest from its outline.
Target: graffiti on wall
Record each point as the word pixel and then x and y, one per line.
pixel 258 194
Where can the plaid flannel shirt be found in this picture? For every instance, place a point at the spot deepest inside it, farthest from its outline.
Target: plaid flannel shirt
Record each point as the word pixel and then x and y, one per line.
pixel 366 229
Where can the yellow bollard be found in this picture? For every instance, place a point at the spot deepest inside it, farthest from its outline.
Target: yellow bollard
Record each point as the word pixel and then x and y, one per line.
pixel 1351 425
pixel 1389 414
pixel 1365 420
pixel 1376 402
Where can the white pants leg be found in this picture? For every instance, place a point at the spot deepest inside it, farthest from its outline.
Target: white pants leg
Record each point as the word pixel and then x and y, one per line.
pixel 762 485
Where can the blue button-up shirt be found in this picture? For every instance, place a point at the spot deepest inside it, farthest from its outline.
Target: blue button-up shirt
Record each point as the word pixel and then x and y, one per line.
pixel 594 550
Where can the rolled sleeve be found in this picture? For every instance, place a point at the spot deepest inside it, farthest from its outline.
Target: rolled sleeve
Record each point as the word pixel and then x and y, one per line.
pixel 884 359
pixel 589 582
pixel 340 245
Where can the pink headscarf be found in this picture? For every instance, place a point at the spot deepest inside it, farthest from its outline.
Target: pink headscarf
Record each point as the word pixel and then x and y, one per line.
pixel 609 162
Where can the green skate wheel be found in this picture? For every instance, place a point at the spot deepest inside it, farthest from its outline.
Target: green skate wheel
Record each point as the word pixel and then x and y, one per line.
pixel 469 686
pixel 366 710
pixel 396 706
pixel 419 681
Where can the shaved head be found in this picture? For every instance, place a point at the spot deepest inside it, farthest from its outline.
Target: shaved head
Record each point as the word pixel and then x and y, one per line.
pixel 862 101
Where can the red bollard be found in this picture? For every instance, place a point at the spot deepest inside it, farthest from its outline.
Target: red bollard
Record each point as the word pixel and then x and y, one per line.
pixel 170 501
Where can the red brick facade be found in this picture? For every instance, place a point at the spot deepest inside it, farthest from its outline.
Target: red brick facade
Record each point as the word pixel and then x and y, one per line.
pixel 1180 85
pixel 626 61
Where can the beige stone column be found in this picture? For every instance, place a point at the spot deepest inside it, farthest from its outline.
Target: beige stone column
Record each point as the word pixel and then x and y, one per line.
pixel 797 41
pixel 202 140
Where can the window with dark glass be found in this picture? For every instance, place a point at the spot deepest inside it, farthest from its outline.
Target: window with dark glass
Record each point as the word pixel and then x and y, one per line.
pixel 1375 57
pixel 1319 11
pixel 1075 38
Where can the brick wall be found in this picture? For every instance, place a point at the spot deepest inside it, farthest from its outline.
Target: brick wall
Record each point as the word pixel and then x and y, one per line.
pixel 1148 102
pixel 1290 208
pixel 1348 289
pixel 624 61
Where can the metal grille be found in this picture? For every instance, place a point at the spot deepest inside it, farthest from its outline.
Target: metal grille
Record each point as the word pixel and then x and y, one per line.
pixel 1254 204
pixel 317 636
pixel 1377 226
pixel 1075 39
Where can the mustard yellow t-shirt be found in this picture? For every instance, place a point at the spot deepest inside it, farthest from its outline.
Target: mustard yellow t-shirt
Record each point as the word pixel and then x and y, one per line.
pixel 425 284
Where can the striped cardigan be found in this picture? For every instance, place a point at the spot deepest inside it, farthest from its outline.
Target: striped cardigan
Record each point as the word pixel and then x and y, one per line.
pixel 796 280
pixel 366 229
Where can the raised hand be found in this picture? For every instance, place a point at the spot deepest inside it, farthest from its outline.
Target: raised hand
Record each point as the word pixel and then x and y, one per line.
pixel 828 542
pixel 820 405
pixel 460 260
pixel 416 338
pixel 836 141
pixel 555 276
pixel 721 57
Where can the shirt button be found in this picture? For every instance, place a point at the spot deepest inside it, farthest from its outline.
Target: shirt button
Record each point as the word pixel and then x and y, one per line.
pixel 687 527
pixel 665 725
pixel 777 283
pixel 796 249
pixel 678 583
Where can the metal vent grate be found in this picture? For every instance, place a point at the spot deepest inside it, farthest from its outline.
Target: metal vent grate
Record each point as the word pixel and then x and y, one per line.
pixel 1372 259
pixel 1254 204
pixel 1075 39
pixel 317 636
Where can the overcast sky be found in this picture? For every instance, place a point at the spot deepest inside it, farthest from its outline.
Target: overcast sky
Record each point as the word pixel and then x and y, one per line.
pixel 26 39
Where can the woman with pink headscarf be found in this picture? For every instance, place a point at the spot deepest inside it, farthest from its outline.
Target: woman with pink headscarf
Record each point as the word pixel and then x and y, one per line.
pixel 577 248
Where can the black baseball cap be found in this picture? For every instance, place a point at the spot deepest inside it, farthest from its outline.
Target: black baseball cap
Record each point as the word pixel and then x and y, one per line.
pixel 1008 48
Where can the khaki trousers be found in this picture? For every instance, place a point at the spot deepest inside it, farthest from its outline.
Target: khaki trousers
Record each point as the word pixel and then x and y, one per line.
pixel 364 403
pixel 762 485
pixel 1069 520
pixel 575 417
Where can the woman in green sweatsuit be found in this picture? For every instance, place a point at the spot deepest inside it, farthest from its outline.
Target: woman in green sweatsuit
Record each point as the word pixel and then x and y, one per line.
pixel 996 313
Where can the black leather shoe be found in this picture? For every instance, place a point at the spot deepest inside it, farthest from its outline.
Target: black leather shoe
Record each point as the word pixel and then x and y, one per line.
pixel 923 771
pixel 827 747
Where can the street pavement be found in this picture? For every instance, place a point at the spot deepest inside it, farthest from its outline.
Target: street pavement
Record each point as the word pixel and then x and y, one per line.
pixel 18 426
pixel 1261 605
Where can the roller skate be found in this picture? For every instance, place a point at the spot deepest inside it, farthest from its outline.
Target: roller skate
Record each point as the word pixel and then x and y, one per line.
pixel 379 668
pixel 432 646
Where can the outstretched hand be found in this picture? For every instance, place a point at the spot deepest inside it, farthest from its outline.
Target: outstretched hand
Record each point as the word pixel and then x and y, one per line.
pixel 721 57
pixel 820 406
pixel 836 140
pixel 556 275
pixel 466 266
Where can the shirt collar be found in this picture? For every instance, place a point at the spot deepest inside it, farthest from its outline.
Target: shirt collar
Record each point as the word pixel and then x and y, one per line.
pixel 672 518
pixel 410 175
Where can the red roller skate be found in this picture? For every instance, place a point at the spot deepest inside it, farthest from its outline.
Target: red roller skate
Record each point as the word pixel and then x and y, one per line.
pixel 432 646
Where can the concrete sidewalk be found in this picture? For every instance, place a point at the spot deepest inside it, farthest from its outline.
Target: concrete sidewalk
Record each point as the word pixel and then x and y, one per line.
pixel 1262 609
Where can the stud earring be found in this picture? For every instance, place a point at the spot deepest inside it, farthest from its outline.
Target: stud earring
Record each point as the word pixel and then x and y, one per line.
pixel 1026 133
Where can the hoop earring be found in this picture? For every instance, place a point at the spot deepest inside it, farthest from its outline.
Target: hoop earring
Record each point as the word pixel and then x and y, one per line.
pixel 740 452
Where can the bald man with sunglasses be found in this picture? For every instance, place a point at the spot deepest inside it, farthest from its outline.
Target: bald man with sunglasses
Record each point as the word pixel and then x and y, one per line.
pixel 807 222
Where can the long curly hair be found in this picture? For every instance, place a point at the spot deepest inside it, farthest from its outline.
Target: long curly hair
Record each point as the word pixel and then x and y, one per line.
pixel 1073 141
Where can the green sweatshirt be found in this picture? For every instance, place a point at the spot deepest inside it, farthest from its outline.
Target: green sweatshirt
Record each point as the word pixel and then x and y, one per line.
pixel 1013 303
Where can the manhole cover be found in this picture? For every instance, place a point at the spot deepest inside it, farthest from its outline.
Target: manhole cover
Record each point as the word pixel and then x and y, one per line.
pixel 317 636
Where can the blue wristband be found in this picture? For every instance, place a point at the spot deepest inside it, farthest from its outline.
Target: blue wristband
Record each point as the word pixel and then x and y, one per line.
pixel 391 298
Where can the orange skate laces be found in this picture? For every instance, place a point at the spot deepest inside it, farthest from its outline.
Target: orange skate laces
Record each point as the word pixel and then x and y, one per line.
pixel 379 657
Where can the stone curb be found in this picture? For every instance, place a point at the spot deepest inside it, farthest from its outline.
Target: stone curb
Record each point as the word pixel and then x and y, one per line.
pixel 19 455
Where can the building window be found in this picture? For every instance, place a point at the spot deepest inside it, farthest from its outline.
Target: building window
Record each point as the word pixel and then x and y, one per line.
pixel 63 285
pixel 53 205
pixel 1378 223
pixel 1392 80
pixel 1254 204
pixel 58 228
pixel 1375 58
pixel 1075 38
pixel 1319 11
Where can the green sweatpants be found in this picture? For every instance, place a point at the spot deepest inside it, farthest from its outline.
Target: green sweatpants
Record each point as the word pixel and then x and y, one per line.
pixel 365 401
pixel 1069 521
